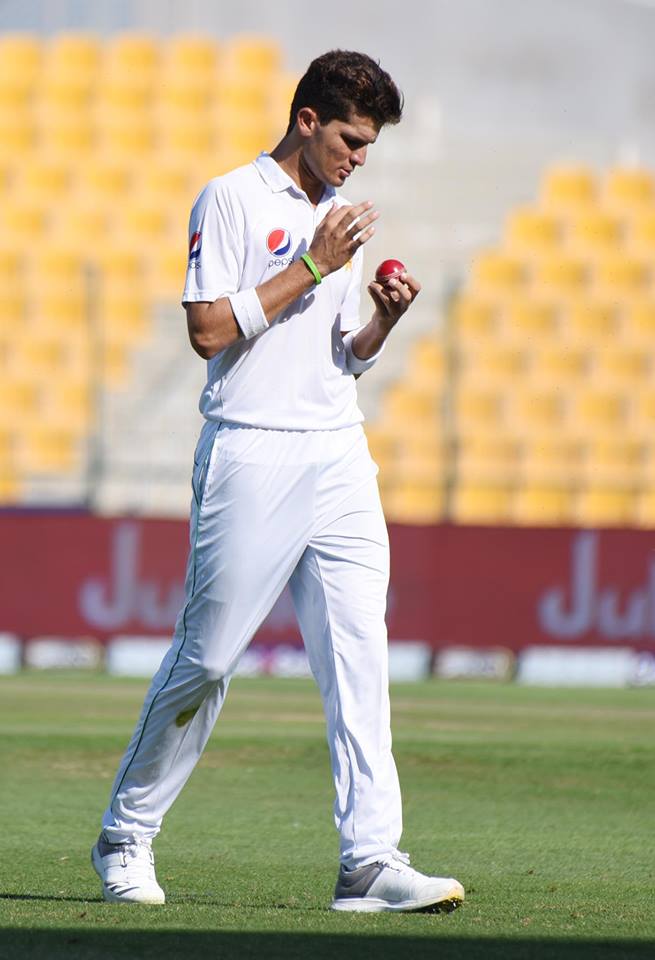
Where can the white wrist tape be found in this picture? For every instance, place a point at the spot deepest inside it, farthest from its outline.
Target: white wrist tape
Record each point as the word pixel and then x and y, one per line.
pixel 353 362
pixel 248 312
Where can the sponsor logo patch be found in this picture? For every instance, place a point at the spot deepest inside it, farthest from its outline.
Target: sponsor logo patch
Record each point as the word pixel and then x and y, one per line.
pixel 195 245
pixel 278 242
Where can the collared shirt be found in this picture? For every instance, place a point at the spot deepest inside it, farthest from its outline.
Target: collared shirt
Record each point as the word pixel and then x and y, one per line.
pixel 245 227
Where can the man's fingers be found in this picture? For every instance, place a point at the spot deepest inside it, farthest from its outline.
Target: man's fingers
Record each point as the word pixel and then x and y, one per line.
pixel 362 238
pixel 362 223
pixel 411 282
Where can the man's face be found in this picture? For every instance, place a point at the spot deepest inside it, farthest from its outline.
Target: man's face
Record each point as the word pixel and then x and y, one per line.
pixel 333 150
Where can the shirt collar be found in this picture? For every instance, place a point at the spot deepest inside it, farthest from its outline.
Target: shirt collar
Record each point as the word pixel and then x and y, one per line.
pixel 272 174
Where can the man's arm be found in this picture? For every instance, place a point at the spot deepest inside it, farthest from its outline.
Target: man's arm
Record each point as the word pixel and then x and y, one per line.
pixel 213 326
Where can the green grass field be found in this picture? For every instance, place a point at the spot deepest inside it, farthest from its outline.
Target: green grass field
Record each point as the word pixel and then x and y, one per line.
pixel 539 801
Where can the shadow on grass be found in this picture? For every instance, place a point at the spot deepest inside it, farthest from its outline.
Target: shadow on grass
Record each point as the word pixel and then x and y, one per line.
pixel 121 944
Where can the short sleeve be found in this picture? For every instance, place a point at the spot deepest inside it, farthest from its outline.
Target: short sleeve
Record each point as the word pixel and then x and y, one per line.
pixel 215 247
pixel 350 305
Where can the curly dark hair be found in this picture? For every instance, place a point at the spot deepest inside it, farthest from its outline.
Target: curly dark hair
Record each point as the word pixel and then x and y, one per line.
pixel 342 81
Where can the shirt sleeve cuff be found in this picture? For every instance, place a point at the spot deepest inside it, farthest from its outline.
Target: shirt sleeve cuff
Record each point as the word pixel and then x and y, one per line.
pixel 248 312
pixel 353 363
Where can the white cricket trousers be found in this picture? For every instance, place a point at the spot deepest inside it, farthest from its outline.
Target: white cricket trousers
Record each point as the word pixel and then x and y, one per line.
pixel 272 507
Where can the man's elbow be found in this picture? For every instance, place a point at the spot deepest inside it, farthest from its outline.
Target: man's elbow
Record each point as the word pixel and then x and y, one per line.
pixel 203 345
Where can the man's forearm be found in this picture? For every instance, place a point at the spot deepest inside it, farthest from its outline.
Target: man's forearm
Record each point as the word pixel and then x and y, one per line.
pixel 213 326
pixel 370 339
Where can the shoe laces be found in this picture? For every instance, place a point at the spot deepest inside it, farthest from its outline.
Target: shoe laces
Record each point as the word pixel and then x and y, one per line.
pixel 397 860
pixel 138 856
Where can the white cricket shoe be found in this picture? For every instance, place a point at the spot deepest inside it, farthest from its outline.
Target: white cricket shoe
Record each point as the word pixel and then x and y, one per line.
pixel 127 871
pixel 391 884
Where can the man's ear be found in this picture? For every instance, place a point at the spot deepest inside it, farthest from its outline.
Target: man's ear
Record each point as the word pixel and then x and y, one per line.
pixel 306 121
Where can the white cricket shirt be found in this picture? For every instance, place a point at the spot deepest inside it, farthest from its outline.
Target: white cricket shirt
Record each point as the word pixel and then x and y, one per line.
pixel 244 228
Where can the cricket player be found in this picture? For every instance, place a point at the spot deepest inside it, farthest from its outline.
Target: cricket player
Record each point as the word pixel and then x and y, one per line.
pixel 284 488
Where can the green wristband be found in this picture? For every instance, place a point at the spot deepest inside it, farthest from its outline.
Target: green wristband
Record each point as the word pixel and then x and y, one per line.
pixel 311 266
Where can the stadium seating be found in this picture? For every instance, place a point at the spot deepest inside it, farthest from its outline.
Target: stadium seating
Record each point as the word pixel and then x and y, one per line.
pixel 104 143
pixel 548 384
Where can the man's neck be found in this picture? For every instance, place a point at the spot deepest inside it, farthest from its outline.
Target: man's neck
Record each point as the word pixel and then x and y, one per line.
pixel 289 155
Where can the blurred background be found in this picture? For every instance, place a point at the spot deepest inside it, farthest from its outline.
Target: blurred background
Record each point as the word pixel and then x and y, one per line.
pixel 518 395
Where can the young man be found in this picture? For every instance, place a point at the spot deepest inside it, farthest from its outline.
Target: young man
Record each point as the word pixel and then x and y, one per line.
pixel 284 489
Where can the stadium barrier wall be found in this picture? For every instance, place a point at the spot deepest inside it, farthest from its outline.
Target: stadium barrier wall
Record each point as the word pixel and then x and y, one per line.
pixel 77 575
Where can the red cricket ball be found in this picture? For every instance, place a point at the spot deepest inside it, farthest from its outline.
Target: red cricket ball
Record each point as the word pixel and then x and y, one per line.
pixel 389 270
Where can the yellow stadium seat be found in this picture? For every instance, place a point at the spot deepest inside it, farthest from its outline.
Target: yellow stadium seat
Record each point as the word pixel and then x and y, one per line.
pixel 120 267
pixel 124 136
pixel 559 366
pixel 413 504
pixel 45 180
pixel 137 223
pixel 41 356
pixel 492 363
pixel 73 52
pixel 639 321
pixel 587 321
pixel 595 410
pixel 420 467
pixel 486 459
pixel 559 275
pixel 52 267
pixel 42 449
pixel 551 461
pixel 621 275
pixel 427 364
pixel 63 92
pixel 641 234
pixel 605 507
pixel 542 505
pixel 614 462
pixel 23 223
pixel 53 307
pixel 79 227
pixel 568 189
pixel 627 189
pixel 185 97
pixel 531 322
pixel 191 54
pixel 19 397
pixel 619 366
pixel 478 408
pixel 533 408
pixel 594 232
pixel 124 315
pixel 165 181
pixel 381 442
pixel 10 487
pixel 475 317
pixel 481 505
pixel 403 402
pixel 20 58
pixel 186 136
pixel 250 54
pixel 10 262
pixel 529 230
pixel 643 411
pixel 132 54
pixel 68 402
pixel 165 272
pixel 496 271
pixel 17 135
pixel 66 135
pixel 13 311
pixel 103 183
pixel 645 509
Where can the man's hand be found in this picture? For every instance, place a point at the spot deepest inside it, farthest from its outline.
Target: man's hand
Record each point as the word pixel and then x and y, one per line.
pixel 394 298
pixel 340 234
